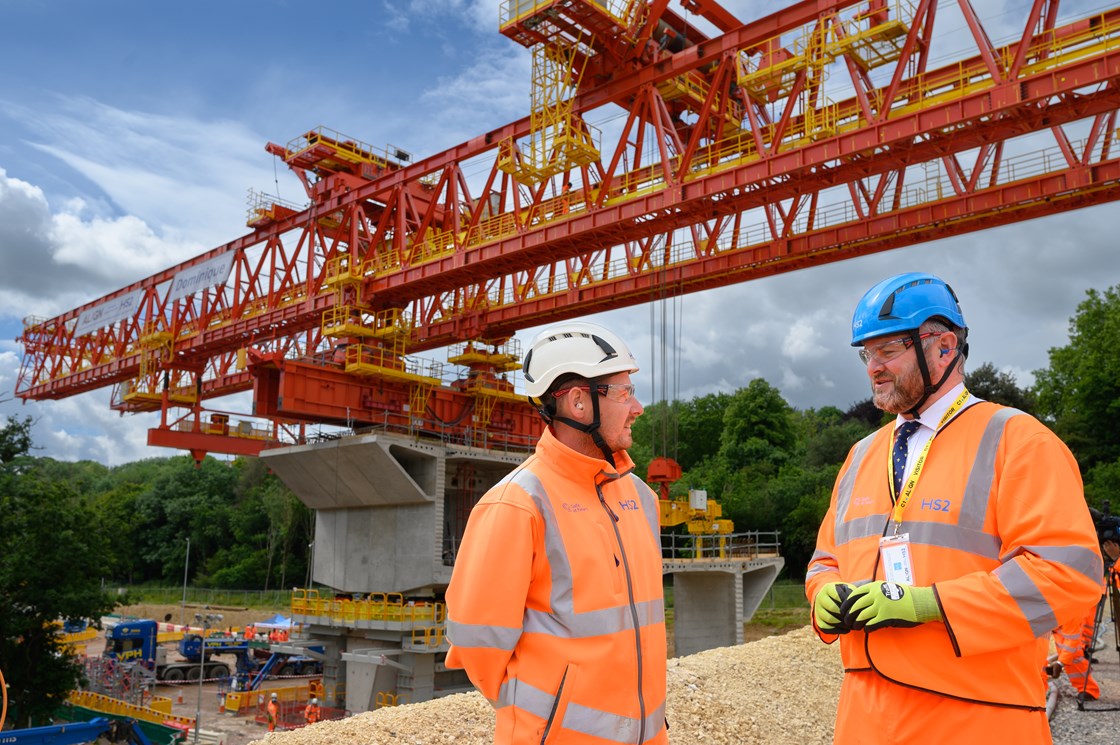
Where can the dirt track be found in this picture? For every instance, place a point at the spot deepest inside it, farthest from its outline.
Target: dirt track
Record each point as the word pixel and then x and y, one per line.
pixel 188 699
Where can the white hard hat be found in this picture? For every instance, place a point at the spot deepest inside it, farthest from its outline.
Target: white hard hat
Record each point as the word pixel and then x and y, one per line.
pixel 274 697
pixel 315 701
pixel 577 347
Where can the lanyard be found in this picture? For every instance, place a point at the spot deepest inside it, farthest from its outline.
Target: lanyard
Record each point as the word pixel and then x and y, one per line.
pixel 919 463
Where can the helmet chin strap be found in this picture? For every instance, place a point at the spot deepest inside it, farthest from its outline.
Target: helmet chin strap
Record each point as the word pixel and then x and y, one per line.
pixel 930 386
pixel 592 429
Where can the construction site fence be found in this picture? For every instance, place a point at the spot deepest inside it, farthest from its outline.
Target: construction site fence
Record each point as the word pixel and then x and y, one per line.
pixel 115 707
pixel 291 713
pixel 749 545
pixel 785 595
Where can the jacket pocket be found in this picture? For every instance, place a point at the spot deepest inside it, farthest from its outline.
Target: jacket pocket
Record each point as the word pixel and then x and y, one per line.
pixel 611 558
pixel 555 722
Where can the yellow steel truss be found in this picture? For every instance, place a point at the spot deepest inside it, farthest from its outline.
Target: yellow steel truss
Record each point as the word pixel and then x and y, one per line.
pixel 558 141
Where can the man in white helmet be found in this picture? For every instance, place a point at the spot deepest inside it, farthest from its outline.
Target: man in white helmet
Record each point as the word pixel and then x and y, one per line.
pixel 272 711
pixel 312 713
pixel 555 606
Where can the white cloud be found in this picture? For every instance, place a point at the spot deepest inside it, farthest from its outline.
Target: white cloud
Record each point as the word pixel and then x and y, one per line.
pixel 185 177
pixel 802 342
pixel 56 261
pixel 490 92
pixel 81 427
pixel 481 15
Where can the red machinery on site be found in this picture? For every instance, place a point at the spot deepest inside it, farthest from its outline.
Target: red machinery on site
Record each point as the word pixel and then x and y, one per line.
pixel 821 132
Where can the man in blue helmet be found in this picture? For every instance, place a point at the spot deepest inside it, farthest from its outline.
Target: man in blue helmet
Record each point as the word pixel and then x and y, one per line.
pixel 940 565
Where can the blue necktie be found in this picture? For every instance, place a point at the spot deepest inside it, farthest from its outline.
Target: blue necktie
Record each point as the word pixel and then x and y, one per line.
pixel 901 437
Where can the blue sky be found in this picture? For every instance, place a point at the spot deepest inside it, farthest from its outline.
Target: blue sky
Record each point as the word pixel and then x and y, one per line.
pixel 130 133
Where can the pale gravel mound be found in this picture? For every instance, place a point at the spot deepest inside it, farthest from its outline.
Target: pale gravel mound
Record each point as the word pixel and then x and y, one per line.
pixel 773 691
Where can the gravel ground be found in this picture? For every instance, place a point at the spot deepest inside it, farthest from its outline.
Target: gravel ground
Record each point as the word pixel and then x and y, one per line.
pixel 728 696
pixel 1098 722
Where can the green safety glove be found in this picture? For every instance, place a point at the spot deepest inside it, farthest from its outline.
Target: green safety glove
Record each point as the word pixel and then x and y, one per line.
pixel 826 608
pixel 880 604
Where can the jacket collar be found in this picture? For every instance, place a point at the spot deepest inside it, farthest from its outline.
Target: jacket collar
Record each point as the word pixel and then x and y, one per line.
pixel 580 467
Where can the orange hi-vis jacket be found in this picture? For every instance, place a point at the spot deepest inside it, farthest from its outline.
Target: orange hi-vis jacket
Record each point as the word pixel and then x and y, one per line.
pixel 997 525
pixel 555 607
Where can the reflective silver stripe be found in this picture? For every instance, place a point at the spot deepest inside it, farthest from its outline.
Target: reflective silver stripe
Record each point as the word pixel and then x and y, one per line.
pixel 613 727
pixel 595 622
pixel 1067 647
pixel 860 527
pixel 561 599
pixel 477 635
pixel 1032 603
pixel 563 621
pixel 577 717
pixel 816 568
pixel 945 535
pixel 819 554
pixel 848 480
pixel 525 696
pixel 978 488
pixel 1077 558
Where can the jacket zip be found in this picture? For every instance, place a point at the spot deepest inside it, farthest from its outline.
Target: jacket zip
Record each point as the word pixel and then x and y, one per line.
pixel 555 706
pixel 633 613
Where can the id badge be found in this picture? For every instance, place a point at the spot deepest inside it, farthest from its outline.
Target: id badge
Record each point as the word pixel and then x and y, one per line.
pixel 895 553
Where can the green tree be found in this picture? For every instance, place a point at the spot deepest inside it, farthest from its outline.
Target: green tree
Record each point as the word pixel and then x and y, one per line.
pixel 756 427
pixel 826 436
pixel 270 529
pixel 184 502
pixel 1079 393
pixel 51 562
pixel 1102 487
pixel 999 387
pixel 686 431
pixel 701 427
pixel 15 438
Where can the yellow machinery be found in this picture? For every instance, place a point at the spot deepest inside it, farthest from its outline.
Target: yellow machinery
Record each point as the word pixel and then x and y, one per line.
pixel 703 516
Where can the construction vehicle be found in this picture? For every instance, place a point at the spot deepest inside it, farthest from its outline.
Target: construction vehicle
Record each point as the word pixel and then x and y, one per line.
pixel 137 641
pixel 72 733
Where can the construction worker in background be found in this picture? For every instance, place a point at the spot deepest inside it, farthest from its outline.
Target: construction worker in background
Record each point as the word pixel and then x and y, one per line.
pixel 312 713
pixel 945 559
pixel 250 632
pixel 565 198
pixel 273 712
pixel 1073 642
pixel 555 606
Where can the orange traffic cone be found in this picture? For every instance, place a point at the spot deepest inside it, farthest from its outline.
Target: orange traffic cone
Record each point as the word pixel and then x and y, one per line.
pixel 222 704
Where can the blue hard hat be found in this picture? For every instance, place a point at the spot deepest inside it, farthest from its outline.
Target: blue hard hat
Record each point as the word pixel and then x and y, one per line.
pixel 903 303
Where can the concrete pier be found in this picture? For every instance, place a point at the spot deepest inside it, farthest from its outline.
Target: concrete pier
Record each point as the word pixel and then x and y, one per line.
pixel 713 598
pixel 390 511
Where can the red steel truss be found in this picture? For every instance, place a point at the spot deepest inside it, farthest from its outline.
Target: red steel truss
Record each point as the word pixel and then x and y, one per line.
pixel 732 163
